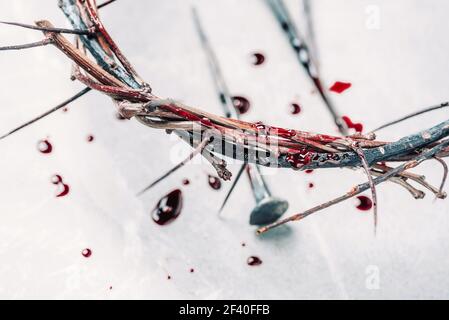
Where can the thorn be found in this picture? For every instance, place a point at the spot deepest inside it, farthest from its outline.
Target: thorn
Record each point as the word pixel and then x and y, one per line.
pixel 441 194
pixel 28 45
pixel 414 114
pixel 198 149
pixel 104 4
pixel 234 183
pixel 372 186
pixel 59 106
pixel 57 30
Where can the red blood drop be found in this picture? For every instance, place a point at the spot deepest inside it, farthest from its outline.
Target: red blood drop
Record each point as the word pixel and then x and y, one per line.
pixel 311 185
pixel 90 138
pixel 299 159
pixel 254 261
pixel 358 127
pixel 340 87
pixel 258 59
pixel 214 182
pixel 168 208
pixel 309 171
pixel 365 203
pixel 242 104
pixel 192 270
pixel 296 108
pixel 57 180
pixel 260 126
pixel 186 182
pixel 65 191
pixel 44 146
pixel 87 253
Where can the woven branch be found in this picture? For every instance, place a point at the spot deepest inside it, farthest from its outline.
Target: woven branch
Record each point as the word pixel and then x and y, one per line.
pixel 295 149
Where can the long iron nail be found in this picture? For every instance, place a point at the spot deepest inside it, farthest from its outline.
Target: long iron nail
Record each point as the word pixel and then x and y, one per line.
pixel 268 209
pixel 304 56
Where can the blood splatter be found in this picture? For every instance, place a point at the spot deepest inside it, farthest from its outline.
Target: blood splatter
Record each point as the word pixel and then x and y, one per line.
pixel 295 108
pixel 299 159
pixel 168 208
pixel 254 261
pixel 57 180
pixel 358 127
pixel 258 59
pixel 365 203
pixel 242 104
pixel 87 253
pixel 44 146
pixel 214 182
pixel 340 87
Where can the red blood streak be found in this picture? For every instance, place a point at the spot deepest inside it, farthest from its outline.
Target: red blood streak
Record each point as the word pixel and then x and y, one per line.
pixel 168 208
pixel 299 159
pixel 44 146
pixel 254 261
pixel 358 127
pixel 261 128
pixel 340 87
pixel 365 203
